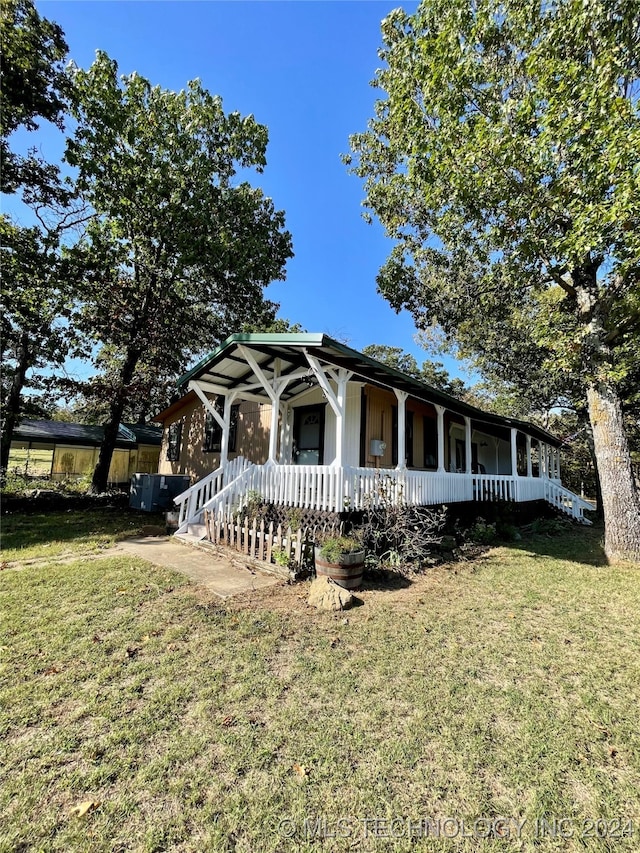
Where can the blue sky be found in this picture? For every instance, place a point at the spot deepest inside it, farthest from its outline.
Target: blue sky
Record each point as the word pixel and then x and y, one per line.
pixel 303 69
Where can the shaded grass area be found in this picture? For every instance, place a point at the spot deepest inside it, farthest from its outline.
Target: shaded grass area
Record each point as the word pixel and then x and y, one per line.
pixel 509 687
pixel 50 534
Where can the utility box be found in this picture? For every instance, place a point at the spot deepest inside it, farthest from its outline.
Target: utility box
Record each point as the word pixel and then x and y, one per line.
pixel 155 492
pixel 377 448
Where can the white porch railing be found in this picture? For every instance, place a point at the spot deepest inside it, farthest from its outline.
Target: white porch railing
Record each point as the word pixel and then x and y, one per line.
pixel 191 502
pixel 566 501
pixel 337 489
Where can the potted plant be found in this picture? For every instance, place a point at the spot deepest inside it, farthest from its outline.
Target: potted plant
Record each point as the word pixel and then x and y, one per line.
pixel 340 558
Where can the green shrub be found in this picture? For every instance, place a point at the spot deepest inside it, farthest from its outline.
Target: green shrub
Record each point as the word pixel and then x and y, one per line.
pixel 481 532
pixel 333 547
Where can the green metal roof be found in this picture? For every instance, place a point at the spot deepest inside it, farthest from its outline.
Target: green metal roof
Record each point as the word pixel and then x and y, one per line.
pixel 221 368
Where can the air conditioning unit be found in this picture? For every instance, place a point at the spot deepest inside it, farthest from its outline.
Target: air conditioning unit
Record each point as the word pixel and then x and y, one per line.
pixel 377 448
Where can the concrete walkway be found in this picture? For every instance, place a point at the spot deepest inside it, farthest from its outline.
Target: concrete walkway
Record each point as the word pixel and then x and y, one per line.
pixel 205 567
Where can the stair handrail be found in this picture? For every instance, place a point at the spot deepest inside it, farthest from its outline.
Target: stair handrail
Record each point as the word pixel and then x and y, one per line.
pixel 189 502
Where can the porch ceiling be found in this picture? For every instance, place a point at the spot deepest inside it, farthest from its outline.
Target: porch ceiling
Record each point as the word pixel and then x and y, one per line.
pixel 226 369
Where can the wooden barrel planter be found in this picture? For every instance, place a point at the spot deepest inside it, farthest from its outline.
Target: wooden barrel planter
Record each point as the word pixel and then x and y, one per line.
pixel 347 572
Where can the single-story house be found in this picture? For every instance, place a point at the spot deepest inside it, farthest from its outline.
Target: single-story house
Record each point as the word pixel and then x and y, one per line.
pixel 73 449
pixel 309 422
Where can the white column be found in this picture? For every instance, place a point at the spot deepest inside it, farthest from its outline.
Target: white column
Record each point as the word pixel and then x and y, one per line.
pixel 402 429
pixel 273 432
pixel 440 412
pixel 337 400
pixel 529 465
pixel 558 463
pixel 284 432
pixel 341 420
pixel 467 445
pixel 496 442
pixel 543 460
pixel 514 452
pixel 226 426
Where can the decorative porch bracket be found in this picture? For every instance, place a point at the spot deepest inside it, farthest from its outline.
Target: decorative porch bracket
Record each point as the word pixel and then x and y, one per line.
pixel 223 422
pixel 337 400
pixel 274 389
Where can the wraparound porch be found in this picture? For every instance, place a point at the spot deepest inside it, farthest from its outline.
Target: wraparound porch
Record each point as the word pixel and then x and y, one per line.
pixel 339 489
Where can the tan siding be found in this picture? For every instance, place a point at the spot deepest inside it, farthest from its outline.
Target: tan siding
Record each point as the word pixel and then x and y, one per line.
pixel 254 421
pixel 379 425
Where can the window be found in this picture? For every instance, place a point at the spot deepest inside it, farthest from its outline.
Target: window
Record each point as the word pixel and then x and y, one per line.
pixel 173 445
pixel 213 430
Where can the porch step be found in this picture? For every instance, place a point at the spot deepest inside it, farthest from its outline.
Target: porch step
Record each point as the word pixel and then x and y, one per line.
pixel 197 531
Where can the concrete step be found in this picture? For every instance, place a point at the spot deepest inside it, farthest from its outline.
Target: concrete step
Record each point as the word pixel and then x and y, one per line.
pixel 198 531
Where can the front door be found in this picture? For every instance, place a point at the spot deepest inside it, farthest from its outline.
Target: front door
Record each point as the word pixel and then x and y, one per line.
pixel 308 435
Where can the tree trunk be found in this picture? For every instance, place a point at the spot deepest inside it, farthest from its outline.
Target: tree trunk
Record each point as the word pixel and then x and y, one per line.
pixel 620 499
pixel 12 405
pixel 100 477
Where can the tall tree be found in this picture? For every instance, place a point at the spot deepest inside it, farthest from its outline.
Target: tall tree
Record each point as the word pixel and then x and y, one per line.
pixel 181 252
pixel 33 85
pixel 503 160
pixel 36 303
pixel 431 372
pixel 35 296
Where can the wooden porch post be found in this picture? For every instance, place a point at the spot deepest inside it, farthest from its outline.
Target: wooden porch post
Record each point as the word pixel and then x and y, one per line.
pixel 341 421
pixel 402 429
pixel 273 432
pixel 337 401
pixel 467 445
pixel 440 410
pixel 514 452
pixel 285 414
pixel 557 463
pixel 529 463
pixel 226 426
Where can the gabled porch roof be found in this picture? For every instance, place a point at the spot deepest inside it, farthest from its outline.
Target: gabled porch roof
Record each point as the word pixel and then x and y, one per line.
pixel 226 370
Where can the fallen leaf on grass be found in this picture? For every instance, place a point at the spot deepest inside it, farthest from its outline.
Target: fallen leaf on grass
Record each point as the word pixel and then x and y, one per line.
pixel 132 651
pixel 52 670
pixel 228 721
pixel 300 770
pixel 613 751
pixel 334 642
pixel 86 806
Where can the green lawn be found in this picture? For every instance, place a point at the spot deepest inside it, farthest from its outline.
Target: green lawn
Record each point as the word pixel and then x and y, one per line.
pixel 505 688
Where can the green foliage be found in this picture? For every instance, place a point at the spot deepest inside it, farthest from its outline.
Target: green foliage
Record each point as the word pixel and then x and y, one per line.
pixel 37 297
pixel 431 372
pixel 253 505
pixel 334 547
pixel 482 532
pixel 503 161
pixel 179 253
pixel 33 85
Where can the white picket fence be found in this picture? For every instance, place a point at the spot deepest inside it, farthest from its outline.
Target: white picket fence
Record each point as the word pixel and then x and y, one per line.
pixel 325 487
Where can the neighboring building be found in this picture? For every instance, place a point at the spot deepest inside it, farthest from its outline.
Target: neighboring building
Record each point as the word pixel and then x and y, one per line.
pixel 73 449
pixel 310 422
